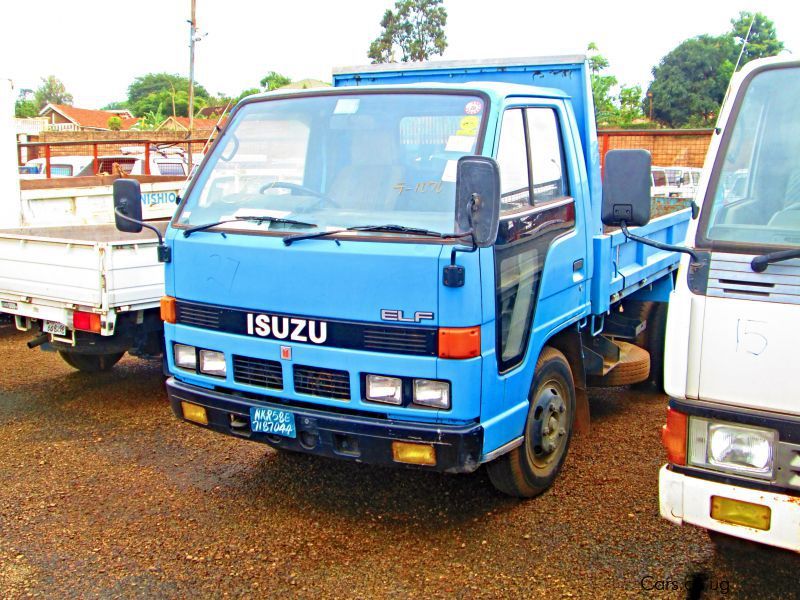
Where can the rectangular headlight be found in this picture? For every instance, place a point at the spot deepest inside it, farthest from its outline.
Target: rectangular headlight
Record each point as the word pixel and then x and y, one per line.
pixel 384 389
pixel 733 448
pixel 428 392
pixel 212 363
pixel 185 356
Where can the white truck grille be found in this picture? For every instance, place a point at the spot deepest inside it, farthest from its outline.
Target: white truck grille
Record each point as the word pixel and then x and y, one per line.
pixel 730 276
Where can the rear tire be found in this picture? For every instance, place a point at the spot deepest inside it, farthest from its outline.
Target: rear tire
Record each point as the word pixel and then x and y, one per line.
pixel 91 363
pixel 531 468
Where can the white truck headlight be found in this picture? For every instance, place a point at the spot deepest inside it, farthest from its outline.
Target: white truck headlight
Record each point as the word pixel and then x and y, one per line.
pixel 384 389
pixel 428 392
pixel 212 363
pixel 185 356
pixel 733 448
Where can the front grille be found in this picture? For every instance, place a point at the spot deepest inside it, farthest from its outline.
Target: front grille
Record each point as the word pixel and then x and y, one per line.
pixel 399 341
pixel 258 372
pixel 788 462
pixel 327 383
pixel 198 315
pixel 731 276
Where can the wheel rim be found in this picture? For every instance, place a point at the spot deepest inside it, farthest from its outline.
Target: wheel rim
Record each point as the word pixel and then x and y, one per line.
pixel 549 427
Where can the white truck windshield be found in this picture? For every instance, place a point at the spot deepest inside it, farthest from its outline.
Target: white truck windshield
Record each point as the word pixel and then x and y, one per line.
pixel 756 196
pixel 338 161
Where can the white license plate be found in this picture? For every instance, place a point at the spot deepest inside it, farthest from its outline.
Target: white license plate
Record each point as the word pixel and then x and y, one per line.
pixel 55 328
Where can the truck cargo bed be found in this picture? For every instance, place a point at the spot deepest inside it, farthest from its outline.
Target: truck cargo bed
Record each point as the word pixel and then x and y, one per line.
pixel 92 266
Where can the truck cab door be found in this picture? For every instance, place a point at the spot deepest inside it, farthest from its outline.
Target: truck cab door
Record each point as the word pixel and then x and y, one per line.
pixel 540 259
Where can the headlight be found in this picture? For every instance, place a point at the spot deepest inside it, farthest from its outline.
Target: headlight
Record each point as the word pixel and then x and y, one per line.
pixel 734 448
pixel 212 363
pixel 185 356
pixel 384 389
pixel 428 392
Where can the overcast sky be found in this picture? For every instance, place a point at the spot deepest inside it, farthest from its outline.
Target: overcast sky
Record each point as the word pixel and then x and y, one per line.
pixel 97 47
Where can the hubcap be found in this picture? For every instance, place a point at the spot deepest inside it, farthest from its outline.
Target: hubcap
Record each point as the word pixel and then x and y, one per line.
pixel 549 425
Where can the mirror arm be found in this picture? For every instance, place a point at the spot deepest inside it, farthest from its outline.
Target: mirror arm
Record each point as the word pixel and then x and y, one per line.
pixel 164 252
pixel 659 245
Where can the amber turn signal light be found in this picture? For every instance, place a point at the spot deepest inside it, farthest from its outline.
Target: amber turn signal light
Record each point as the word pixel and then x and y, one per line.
pixel 169 313
pixel 673 436
pixel 459 342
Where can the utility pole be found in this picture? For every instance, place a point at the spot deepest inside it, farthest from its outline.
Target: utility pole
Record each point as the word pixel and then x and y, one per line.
pixel 192 36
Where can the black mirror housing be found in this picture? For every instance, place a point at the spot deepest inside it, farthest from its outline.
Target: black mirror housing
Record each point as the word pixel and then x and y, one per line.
pixel 626 188
pixel 128 205
pixel 478 199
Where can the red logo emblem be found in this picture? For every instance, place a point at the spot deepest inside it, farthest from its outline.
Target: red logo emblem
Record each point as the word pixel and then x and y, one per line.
pixel 286 353
pixel 474 107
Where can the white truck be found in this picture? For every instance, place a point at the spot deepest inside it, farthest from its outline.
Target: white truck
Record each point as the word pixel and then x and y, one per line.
pixel 733 423
pixel 67 275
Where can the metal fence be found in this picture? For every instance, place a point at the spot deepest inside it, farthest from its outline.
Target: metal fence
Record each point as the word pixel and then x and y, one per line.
pixel 44 160
pixel 668 147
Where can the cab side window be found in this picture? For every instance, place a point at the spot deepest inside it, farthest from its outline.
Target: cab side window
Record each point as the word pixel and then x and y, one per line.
pixel 547 155
pixel 512 156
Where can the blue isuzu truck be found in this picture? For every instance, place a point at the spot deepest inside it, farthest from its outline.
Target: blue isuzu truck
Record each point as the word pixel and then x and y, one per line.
pixel 410 268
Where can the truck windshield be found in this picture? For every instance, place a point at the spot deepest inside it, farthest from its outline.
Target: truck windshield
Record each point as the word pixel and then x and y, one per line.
pixel 756 194
pixel 337 161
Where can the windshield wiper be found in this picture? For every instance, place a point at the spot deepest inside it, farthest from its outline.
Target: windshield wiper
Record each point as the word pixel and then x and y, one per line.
pixel 253 219
pixel 759 263
pixel 389 228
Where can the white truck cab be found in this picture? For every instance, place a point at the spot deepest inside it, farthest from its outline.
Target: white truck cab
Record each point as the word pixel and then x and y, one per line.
pixel 733 424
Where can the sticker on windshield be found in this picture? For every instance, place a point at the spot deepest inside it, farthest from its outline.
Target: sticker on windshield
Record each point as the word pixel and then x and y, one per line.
pixel 468 126
pixel 450 170
pixel 460 143
pixel 473 107
pixel 346 106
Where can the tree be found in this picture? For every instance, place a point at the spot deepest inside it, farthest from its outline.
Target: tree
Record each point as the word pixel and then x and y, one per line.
pixel 52 91
pixel 115 105
pixel 25 109
pixel 273 81
pixel 630 105
pixel 415 29
pixel 149 91
pixel 605 110
pixel 762 42
pixel 114 123
pixel 690 81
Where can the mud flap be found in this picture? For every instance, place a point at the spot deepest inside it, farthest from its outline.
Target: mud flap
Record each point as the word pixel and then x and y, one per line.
pixel 582 424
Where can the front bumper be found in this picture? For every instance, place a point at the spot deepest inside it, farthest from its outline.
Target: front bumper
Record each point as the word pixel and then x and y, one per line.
pixel 336 435
pixel 685 499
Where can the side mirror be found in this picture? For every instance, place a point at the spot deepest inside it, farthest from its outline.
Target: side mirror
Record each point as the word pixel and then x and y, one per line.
pixel 626 188
pixel 128 205
pixel 478 199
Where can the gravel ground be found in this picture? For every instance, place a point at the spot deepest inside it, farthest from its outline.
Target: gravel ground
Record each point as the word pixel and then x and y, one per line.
pixel 105 494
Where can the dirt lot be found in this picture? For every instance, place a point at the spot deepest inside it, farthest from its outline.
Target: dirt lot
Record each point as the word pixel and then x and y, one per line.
pixel 105 494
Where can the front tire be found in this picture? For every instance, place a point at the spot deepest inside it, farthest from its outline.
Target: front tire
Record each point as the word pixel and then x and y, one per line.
pixel 531 468
pixel 91 363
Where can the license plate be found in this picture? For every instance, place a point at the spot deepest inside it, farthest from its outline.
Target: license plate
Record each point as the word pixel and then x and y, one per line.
pixel 272 420
pixel 55 328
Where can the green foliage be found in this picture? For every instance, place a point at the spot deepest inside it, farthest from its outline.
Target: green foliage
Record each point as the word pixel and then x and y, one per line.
pixel 114 123
pixel 149 91
pixel 25 109
pixel 52 91
pixel 248 92
pixel 415 30
pixel 605 110
pixel 630 106
pixel 273 81
pixel 763 40
pixel 690 81
pixel 115 105
pixel 151 119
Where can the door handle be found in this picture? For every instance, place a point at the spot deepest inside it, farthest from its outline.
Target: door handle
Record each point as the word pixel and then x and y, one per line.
pixel 577 265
